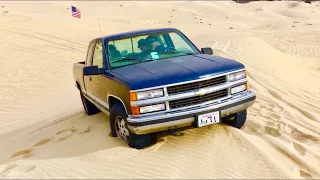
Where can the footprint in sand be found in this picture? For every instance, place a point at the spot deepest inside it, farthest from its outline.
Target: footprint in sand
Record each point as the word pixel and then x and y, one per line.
pixel 298 135
pixel 305 174
pixel 301 150
pixel 89 129
pixel 43 141
pixel 65 138
pixel 26 153
pixel 70 130
pixel 291 131
pixel 302 137
pixel 67 130
pixel 272 131
pixel 255 127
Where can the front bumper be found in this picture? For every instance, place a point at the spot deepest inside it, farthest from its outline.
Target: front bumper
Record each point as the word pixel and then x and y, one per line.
pixel 186 117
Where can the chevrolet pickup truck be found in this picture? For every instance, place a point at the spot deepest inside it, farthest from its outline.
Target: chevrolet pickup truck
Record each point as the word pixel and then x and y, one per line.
pixel 154 80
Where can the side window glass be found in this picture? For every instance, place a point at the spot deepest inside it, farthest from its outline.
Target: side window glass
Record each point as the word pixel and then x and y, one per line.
pixel 97 55
pixel 89 54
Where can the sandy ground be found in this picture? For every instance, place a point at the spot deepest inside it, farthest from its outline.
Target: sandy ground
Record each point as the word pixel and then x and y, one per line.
pixel 44 132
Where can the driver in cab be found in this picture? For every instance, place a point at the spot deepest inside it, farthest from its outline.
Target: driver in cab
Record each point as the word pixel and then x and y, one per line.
pixel 147 46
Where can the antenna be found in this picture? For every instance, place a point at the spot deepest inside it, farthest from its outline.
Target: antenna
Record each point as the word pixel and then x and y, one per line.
pixel 99 27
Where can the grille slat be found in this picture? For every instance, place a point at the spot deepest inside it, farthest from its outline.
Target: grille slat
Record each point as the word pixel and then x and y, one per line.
pixel 196 85
pixel 197 99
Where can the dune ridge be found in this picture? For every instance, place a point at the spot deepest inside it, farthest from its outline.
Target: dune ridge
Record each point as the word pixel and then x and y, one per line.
pixel 44 132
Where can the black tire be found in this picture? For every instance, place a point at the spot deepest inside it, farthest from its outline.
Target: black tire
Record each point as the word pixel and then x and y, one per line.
pixel 118 119
pixel 89 108
pixel 236 120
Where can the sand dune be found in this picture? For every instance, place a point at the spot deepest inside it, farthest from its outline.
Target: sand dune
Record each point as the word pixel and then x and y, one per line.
pixel 44 132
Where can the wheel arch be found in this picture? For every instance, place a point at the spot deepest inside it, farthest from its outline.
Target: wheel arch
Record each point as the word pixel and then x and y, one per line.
pixel 112 100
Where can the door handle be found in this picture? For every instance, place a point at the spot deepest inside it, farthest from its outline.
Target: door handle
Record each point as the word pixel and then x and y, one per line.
pixel 89 78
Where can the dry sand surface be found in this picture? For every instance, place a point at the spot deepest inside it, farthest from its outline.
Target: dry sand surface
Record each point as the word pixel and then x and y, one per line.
pixel 44 132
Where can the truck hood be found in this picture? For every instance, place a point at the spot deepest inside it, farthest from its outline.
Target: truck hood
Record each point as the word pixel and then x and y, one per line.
pixel 174 70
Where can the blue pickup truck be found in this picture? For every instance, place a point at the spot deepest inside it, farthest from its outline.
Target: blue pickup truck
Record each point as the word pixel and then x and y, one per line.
pixel 155 80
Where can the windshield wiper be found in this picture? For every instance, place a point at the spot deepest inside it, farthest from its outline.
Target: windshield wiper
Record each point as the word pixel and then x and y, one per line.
pixel 126 59
pixel 169 52
pixel 174 52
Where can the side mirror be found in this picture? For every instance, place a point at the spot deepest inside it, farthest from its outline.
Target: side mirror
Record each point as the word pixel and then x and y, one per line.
pixel 207 50
pixel 91 70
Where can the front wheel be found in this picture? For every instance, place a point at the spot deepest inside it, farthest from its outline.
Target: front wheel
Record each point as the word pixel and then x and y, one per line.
pixel 236 120
pixel 119 128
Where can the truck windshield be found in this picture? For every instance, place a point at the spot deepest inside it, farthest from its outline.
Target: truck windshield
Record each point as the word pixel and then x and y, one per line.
pixel 150 47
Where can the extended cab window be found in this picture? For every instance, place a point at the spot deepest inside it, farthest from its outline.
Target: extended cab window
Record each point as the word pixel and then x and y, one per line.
pixel 139 49
pixel 89 54
pixel 97 55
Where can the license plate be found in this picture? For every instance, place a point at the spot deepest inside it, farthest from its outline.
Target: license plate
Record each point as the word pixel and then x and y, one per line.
pixel 207 119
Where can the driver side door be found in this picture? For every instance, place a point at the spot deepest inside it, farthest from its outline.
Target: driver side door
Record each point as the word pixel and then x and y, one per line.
pixel 88 62
pixel 96 84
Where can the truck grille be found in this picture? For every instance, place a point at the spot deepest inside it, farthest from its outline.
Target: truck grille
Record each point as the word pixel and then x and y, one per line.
pixel 196 85
pixel 198 99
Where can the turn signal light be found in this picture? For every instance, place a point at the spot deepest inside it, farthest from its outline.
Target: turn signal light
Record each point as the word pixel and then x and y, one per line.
pixel 135 110
pixel 133 96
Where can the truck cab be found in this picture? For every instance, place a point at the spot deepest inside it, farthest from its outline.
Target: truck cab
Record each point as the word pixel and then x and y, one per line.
pixel 156 79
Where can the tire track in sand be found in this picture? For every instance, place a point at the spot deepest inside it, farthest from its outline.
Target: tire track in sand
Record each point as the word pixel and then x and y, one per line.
pixel 44 39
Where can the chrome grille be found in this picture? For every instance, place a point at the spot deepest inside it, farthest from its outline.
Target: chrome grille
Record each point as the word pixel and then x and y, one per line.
pixel 196 85
pixel 198 99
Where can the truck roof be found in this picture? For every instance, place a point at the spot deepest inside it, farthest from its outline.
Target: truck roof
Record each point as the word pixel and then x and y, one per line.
pixel 136 32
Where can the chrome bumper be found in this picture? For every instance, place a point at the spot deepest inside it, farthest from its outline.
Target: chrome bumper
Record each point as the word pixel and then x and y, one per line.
pixel 186 117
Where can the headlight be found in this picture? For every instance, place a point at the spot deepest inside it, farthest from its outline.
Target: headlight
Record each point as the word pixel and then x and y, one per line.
pixel 237 89
pixel 236 76
pixel 146 94
pixel 150 94
pixel 152 108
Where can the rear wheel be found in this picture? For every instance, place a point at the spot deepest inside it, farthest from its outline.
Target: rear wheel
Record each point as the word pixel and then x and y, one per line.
pixel 236 120
pixel 88 106
pixel 119 128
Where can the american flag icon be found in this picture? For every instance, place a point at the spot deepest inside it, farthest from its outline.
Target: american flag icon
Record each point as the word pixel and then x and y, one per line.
pixel 75 12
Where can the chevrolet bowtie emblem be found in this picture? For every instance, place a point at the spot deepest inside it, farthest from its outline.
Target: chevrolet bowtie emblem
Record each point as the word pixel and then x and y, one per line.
pixel 202 92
